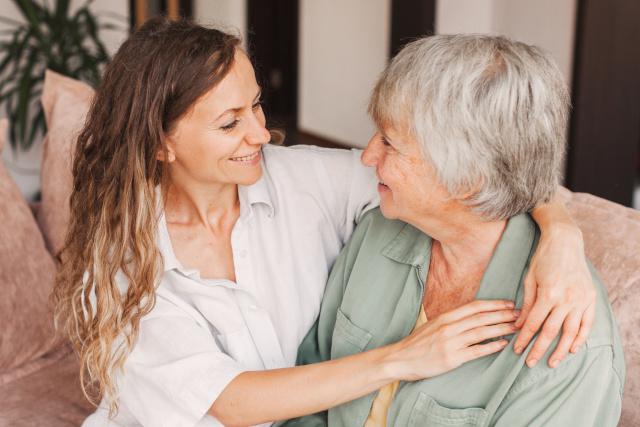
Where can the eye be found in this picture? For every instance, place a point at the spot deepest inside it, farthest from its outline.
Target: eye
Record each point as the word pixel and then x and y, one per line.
pixel 257 105
pixel 384 141
pixel 230 126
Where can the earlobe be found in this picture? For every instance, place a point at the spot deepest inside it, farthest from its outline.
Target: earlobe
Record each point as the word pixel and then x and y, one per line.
pixel 166 156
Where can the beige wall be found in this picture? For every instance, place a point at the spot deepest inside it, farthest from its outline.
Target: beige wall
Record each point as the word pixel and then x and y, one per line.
pixel 229 15
pixel 549 24
pixel 343 48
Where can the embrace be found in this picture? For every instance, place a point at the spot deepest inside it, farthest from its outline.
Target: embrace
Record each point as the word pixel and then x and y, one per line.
pixel 432 279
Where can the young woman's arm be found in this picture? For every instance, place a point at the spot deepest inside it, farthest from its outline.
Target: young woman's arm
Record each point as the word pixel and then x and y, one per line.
pixel 559 291
pixel 441 345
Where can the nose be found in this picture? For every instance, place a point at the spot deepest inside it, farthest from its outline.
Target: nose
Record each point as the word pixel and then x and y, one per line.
pixel 371 155
pixel 257 133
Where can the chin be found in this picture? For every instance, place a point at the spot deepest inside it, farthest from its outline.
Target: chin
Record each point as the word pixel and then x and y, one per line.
pixel 250 179
pixel 387 211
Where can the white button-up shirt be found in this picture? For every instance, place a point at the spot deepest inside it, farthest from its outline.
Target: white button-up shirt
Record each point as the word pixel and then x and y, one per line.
pixel 202 333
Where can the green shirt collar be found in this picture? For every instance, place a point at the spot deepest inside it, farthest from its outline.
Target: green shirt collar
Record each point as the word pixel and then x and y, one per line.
pixel 502 276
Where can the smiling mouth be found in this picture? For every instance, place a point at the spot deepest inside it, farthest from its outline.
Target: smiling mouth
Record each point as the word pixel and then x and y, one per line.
pixel 246 159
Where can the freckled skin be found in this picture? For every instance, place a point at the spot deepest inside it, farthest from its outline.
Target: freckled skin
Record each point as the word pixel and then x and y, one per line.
pixel 414 192
pixel 413 184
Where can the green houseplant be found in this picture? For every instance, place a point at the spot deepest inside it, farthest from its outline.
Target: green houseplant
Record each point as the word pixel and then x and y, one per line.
pixel 52 36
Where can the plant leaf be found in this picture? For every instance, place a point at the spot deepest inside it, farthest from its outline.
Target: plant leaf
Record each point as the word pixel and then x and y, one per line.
pixel 62 9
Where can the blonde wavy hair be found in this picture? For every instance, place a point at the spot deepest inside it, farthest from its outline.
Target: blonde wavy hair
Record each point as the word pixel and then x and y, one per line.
pixel 153 80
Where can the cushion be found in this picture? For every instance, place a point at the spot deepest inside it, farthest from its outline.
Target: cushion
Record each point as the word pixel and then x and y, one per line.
pixel 27 272
pixel 50 396
pixel 612 243
pixel 65 102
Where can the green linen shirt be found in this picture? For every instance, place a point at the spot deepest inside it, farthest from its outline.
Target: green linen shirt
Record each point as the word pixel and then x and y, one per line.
pixel 373 298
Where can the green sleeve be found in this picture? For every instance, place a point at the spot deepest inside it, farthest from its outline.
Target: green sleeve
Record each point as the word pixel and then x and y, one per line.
pixel 584 390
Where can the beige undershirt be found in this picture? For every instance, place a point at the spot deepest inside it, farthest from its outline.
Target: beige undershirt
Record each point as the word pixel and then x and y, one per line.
pixel 382 402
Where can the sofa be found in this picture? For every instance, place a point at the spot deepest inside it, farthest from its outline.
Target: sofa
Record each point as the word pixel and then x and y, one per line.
pixel 39 374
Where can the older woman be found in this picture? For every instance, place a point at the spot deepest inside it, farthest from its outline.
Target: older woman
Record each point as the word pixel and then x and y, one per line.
pixel 471 132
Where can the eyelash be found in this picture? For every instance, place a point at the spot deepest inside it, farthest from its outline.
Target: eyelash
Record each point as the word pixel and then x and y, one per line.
pixel 229 127
pixel 385 141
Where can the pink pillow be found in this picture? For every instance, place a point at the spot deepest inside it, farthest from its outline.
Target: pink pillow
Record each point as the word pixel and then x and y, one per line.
pixel 66 102
pixel 612 242
pixel 27 272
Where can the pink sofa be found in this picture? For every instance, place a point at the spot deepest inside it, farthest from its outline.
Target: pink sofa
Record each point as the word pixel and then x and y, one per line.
pixel 39 383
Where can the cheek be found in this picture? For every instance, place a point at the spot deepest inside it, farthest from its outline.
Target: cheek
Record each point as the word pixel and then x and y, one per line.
pixel 205 154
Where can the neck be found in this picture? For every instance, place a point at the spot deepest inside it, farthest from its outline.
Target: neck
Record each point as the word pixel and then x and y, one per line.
pixel 463 241
pixel 212 206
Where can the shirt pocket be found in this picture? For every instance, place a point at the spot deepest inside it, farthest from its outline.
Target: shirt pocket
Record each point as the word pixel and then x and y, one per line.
pixel 427 412
pixel 348 338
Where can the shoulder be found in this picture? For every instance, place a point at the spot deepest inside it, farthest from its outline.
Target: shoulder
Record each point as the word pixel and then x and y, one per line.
pixel 374 231
pixel 367 246
pixel 300 159
pixel 591 366
pixel 307 152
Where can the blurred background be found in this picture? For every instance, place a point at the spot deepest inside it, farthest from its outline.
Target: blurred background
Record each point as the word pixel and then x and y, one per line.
pixel 318 59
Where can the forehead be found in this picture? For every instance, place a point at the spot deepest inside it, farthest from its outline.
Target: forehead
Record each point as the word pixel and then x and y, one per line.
pixel 235 90
pixel 396 132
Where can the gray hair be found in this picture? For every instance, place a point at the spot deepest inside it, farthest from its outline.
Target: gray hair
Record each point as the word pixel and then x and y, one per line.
pixel 490 114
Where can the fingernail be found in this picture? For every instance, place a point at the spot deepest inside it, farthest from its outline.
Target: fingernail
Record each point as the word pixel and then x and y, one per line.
pixel 510 304
pixel 516 313
pixel 532 362
pixel 554 363
pixel 575 349
pixel 518 349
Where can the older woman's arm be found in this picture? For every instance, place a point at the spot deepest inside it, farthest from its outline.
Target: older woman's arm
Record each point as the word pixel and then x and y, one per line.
pixel 559 291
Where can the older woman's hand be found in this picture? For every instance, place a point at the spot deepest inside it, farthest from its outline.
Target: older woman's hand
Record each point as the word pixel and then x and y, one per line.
pixel 559 292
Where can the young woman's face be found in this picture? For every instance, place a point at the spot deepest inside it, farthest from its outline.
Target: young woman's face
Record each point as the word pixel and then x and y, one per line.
pixel 219 140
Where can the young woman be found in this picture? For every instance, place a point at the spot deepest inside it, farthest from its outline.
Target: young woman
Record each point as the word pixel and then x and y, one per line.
pixel 197 255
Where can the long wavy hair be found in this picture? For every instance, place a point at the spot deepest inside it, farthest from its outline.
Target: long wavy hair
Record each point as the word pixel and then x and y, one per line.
pixel 155 77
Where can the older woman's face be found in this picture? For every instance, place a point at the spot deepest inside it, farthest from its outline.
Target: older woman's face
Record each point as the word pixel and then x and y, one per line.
pixel 408 185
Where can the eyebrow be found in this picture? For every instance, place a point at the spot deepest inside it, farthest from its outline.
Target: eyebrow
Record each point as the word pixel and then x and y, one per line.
pixel 237 109
pixel 384 135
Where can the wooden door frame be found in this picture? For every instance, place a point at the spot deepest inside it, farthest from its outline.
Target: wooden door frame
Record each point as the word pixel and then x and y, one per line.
pixel 410 19
pixel 604 135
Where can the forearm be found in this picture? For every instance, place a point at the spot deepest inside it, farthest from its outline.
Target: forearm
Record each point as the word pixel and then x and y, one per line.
pixel 261 396
pixel 553 215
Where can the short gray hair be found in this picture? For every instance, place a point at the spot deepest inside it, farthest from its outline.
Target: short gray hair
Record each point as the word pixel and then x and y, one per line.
pixel 489 113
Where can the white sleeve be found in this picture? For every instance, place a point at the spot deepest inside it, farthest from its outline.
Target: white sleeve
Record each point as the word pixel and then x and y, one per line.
pixel 174 373
pixel 362 194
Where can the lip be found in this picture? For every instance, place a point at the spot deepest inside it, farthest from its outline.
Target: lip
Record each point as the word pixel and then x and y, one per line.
pixel 254 159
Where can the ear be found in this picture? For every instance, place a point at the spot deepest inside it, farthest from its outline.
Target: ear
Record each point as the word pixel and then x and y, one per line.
pixel 166 153
pixel 166 156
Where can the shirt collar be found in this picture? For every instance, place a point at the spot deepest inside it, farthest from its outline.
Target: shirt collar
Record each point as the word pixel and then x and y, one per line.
pixel 504 272
pixel 410 246
pixel 169 258
pixel 258 193
pixel 502 277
